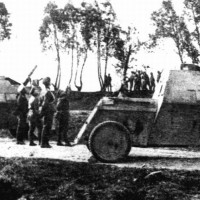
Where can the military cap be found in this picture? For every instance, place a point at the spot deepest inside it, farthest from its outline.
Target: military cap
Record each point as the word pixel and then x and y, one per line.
pixel 35 82
pixel 46 81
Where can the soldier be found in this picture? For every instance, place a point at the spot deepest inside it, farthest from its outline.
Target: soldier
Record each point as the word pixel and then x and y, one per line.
pixel 62 118
pixel 152 83
pixel 21 112
pixel 147 81
pixel 132 80
pixel 47 112
pixel 109 84
pixel 158 76
pixel 143 83
pixel 137 81
pixel 123 91
pixel 34 116
pixel 105 84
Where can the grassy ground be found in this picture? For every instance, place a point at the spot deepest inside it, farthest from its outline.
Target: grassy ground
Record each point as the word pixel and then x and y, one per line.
pixel 45 179
pixel 84 100
pixel 87 100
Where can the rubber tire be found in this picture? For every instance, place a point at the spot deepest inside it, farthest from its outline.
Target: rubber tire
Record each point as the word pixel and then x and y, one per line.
pixel 112 144
pixel 87 145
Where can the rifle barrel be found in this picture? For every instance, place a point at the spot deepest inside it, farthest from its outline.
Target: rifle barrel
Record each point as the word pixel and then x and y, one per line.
pixel 32 70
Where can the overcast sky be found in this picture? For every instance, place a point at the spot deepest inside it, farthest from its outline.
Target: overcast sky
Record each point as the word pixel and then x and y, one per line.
pixel 23 51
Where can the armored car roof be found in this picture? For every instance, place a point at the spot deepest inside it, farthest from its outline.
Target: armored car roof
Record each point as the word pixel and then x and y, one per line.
pixel 8 89
pixel 182 86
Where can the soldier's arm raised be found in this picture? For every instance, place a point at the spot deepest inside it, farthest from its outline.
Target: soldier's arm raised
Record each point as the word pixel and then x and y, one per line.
pixel 28 79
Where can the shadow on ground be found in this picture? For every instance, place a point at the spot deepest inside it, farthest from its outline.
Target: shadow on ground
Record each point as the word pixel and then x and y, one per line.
pixel 44 179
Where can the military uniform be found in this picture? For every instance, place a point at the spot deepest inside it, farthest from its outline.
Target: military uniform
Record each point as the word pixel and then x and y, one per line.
pixel 21 112
pixel 47 112
pixel 109 80
pixel 131 80
pixel 62 118
pixel 152 83
pixel 34 116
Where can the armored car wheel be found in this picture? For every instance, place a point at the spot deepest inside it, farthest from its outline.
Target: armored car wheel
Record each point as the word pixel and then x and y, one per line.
pixel 110 141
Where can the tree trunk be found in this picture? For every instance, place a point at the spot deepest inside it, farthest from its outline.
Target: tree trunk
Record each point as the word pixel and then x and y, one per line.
pixel 106 61
pixel 72 60
pixel 58 76
pixel 99 60
pixel 77 66
pixel 196 27
pixel 81 75
pixel 79 88
pixel 127 61
pixel 179 52
pixel 72 66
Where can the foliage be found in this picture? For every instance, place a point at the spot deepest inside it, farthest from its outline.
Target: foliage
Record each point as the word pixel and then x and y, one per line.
pixel 49 35
pixel 192 11
pixel 92 32
pixel 169 25
pixel 92 27
pixel 99 32
pixel 110 34
pixel 69 28
pixel 5 25
pixel 192 14
pixel 188 45
pixel 126 46
pixel 73 29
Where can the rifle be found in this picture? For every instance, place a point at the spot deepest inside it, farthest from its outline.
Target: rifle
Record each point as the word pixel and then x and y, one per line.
pixel 28 78
pixel 32 71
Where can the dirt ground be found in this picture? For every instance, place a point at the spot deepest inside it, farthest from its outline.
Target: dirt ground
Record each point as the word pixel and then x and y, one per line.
pixel 159 158
pixel 70 173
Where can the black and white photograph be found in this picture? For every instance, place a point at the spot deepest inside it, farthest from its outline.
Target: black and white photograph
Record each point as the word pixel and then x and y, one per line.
pixel 99 99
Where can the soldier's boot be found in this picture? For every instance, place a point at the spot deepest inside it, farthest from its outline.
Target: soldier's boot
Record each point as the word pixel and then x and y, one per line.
pixel 32 144
pixel 39 137
pixel 59 143
pixel 45 143
pixel 30 137
pixel 67 143
pixel 45 138
pixel 19 136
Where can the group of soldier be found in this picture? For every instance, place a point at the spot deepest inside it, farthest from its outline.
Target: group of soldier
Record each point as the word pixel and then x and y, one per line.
pixel 108 83
pixel 39 111
pixel 141 81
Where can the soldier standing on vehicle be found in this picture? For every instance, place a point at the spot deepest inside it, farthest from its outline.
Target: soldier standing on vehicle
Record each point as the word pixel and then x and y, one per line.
pixel 132 80
pixel 158 76
pixel 152 82
pixel 21 112
pixel 109 80
pixel 105 84
pixel 62 118
pixel 34 116
pixel 143 83
pixel 47 112
pixel 147 81
pixel 137 81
